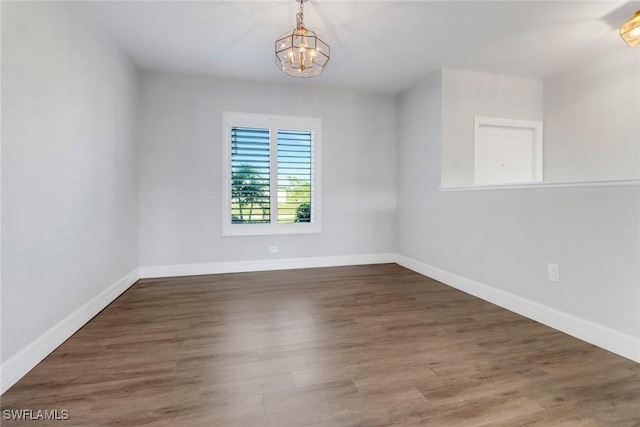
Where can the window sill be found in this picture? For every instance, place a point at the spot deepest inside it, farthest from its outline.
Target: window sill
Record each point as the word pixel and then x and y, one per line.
pixel 288 229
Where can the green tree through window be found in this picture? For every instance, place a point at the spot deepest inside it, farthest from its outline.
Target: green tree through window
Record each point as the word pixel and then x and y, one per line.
pixel 249 196
pixel 250 176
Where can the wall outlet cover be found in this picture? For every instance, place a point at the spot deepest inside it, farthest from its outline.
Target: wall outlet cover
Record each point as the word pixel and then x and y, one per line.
pixel 553 272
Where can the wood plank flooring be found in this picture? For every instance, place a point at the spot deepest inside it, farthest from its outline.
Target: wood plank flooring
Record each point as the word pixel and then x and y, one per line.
pixel 371 345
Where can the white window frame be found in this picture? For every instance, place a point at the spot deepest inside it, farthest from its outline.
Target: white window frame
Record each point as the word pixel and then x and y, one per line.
pixel 273 123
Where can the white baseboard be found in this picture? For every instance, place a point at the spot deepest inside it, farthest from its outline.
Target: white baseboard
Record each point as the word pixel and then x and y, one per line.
pixel 593 333
pixel 262 265
pixel 26 359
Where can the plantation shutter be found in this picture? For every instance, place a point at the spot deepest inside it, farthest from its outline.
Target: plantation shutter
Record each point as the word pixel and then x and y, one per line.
pixel 295 172
pixel 250 175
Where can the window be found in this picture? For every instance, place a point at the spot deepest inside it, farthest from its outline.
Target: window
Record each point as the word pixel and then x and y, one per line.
pixel 271 179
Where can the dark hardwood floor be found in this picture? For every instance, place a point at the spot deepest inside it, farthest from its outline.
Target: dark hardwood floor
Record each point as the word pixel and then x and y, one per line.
pixel 371 345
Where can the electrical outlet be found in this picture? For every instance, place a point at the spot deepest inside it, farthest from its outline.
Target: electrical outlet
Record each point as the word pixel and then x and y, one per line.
pixel 274 249
pixel 553 271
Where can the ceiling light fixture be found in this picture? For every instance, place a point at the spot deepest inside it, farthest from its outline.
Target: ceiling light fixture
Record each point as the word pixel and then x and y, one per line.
pixel 301 53
pixel 630 30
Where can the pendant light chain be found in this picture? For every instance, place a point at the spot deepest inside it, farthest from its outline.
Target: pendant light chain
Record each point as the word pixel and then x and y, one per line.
pixel 300 16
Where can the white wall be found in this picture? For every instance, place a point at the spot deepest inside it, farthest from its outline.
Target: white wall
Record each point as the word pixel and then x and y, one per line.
pixel 69 193
pixel 592 120
pixel 466 94
pixel 180 175
pixel 505 238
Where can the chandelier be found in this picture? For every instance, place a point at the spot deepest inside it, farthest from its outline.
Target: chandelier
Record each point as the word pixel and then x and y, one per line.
pixel 301 53
pixel 630 30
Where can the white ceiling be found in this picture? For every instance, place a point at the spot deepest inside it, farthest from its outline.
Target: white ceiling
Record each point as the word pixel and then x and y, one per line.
pixel 379 46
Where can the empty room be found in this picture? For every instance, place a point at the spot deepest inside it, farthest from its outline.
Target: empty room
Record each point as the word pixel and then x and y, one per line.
pixel 320 213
